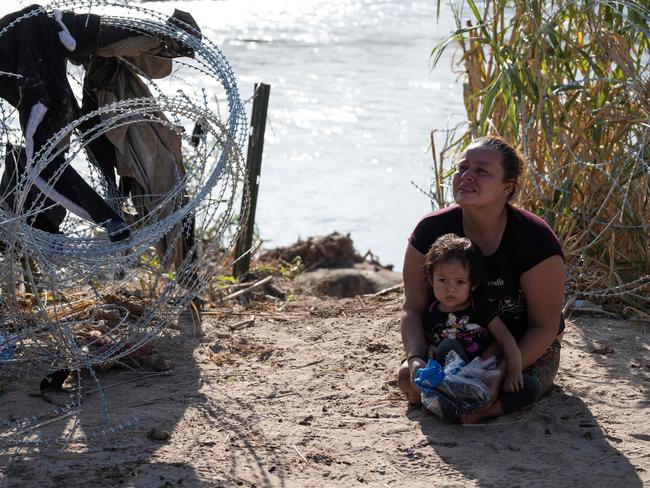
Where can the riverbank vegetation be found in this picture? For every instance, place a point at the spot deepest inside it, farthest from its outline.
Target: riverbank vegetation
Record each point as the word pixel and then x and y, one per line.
pixel 568 82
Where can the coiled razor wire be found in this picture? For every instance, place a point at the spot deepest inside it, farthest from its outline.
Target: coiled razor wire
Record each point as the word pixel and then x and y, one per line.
pixel 75 300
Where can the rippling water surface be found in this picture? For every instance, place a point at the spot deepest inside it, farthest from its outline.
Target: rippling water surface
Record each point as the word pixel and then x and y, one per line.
pixel 353 100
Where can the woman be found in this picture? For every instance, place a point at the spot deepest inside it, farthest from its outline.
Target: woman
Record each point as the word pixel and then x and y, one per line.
pixel 524 264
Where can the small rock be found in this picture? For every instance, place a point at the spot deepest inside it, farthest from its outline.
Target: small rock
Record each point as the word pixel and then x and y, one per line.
pixel 602 350
pixel 377 347
pixel 307 420
pixel 158 435
pixel 274 291
pixel 157 363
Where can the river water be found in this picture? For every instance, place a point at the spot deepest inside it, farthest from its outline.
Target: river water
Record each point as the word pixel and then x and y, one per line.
pixel 353 101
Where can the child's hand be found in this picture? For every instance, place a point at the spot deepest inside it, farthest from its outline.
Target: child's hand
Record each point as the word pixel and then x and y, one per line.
pixel 514 381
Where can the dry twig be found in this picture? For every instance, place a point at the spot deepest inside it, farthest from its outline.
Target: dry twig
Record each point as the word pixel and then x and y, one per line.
pixel 247 289
pixel 385 291
pixel 299 453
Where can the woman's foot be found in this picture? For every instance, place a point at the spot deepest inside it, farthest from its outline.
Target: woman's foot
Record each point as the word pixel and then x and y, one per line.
pixel 471 418
pixel 493 410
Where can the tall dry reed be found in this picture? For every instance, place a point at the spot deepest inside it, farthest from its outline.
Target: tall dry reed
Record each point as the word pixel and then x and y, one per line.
pixel 569 83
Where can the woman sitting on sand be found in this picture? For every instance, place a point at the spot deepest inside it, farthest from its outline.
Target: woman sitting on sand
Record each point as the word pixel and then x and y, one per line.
pixel 524 265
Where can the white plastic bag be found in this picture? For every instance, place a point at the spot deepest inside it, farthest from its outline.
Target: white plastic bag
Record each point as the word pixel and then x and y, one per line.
pixel 464 388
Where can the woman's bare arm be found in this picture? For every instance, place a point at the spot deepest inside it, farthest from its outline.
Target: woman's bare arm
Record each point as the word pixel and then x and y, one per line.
pixel 543 288
pixel 417 294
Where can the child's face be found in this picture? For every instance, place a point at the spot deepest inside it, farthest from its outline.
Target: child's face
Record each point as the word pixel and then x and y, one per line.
pixel 451 285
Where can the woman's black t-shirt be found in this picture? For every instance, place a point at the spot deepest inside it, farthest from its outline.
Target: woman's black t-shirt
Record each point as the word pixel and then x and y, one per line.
pixel 527 240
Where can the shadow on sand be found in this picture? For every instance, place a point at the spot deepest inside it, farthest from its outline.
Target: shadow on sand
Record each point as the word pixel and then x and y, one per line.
pixel 619 348
pixel 112 456
pixel 531 445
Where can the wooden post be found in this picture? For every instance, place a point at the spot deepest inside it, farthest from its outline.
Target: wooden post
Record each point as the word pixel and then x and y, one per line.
pixel 253 167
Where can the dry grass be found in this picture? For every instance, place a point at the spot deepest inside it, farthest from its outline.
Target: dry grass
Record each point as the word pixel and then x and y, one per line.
pixel 568 82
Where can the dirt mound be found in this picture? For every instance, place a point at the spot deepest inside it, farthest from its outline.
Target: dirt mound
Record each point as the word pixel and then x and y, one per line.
pixel 332 266
pixel 330 251
pixel 360 279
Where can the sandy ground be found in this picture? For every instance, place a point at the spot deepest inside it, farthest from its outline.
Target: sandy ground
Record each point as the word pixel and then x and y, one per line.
pixel 305 397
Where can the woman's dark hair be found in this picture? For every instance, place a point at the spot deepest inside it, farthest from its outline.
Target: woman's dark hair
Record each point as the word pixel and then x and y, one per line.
pixel 449 247
pixel 511 160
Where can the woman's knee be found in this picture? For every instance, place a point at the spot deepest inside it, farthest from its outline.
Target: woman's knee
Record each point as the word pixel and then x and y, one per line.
pixel 546 368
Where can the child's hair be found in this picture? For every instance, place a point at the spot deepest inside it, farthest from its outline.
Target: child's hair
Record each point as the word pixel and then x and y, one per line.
pixel 449 247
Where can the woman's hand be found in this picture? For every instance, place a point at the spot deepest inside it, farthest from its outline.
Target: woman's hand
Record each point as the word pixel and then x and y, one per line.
pixel 416 363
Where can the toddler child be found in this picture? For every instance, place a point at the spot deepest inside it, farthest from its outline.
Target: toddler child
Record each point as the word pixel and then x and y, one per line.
pixel 459 319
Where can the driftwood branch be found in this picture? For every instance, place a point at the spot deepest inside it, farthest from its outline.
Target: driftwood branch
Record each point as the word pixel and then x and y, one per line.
pixel 247 289
pixel 242 324
pixel 384 291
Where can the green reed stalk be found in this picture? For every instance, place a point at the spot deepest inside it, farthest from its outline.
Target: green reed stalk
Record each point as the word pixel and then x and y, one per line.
pixel 569 83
